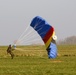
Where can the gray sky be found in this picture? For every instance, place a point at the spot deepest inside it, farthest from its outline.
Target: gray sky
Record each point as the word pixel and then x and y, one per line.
pixel 16 15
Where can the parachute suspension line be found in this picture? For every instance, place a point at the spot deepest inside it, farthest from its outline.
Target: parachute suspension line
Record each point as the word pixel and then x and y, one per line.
pixel 32 41
pixel 24 32
pixel 37 25
pixel 34 36
pixel 31 38
pixel 40 28
pixel 26 35
pixel 30 33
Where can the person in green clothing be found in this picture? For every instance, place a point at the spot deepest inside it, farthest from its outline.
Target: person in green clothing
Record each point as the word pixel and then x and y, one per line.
pixel 9 50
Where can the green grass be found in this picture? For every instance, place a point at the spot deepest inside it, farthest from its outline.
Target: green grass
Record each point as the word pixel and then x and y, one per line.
pixel 33 60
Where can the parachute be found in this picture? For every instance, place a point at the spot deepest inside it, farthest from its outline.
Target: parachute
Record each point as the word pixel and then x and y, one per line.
pixel 46 31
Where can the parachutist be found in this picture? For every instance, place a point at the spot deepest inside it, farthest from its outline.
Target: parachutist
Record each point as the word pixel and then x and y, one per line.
pixel 9 50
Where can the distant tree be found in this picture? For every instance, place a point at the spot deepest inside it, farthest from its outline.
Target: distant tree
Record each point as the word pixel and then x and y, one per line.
pixel 69 40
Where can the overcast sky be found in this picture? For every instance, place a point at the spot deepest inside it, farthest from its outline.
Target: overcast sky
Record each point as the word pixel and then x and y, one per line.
pixel 16 15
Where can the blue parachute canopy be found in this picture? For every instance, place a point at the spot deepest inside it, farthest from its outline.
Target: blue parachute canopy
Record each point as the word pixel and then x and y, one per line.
pixel 46 31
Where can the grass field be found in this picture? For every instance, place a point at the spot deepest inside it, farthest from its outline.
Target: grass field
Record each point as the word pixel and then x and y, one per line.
pixel 33 60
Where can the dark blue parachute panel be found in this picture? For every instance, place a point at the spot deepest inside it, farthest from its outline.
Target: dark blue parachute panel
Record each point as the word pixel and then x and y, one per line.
pixel 40 25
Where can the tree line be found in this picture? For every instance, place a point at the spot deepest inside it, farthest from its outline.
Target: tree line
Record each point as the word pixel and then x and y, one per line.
pixel 69 40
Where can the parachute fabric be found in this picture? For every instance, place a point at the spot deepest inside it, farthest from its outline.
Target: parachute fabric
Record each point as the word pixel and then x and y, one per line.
pixel 43 29
pixel 46 31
